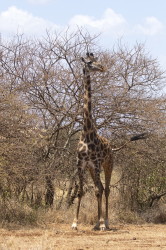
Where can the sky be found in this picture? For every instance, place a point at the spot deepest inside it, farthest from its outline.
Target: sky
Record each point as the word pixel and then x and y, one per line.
pixel 142 21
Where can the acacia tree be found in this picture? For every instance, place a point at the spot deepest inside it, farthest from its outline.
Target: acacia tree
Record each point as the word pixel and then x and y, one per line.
pixel 47 76
pixel 17 140
pixel 44 76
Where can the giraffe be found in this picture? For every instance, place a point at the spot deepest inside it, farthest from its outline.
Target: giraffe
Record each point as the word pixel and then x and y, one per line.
pixel 94 152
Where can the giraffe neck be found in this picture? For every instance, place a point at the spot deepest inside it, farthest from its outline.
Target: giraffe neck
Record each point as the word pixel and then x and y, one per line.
pixel 87 115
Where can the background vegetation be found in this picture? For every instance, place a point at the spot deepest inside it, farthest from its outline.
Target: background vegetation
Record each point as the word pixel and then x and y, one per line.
pixel 41 93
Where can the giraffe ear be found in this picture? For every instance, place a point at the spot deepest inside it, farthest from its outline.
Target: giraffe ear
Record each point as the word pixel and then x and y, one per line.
pixel 87 54
pixel 91 54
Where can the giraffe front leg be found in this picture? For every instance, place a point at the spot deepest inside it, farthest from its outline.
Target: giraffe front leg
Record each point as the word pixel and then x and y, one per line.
pixel 75 221
pixel 95 174
pixel 108 171
pixel 100 225
pixel 80 194
pixel 107 191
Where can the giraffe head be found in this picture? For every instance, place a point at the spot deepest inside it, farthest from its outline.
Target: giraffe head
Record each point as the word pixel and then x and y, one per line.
pixel 91 63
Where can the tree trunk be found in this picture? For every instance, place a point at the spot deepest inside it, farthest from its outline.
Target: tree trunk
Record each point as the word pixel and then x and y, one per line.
pixel 49 196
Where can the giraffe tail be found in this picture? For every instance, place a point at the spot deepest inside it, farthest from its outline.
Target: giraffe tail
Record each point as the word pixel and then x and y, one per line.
pixel 133 138
pixel 139 137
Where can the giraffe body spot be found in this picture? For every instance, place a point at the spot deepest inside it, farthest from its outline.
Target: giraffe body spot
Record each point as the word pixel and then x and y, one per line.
pixel 91 147
pixel 92 136
pixel 88 124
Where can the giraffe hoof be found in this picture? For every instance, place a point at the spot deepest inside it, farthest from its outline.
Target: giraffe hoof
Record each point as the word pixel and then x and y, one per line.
pixel 74 226
pixel 102 225
pixel 99 228
pixel 103 228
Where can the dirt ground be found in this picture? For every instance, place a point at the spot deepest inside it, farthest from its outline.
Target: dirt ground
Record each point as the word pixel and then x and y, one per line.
pixel 60 236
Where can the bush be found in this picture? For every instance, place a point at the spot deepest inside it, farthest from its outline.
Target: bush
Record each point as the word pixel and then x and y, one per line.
pixel 16 213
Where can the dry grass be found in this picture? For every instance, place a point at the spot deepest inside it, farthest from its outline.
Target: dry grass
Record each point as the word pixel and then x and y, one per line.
pixel 12 212
pixel 17 214
pixel 156 214
pixel 52 229
pixel 60 236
